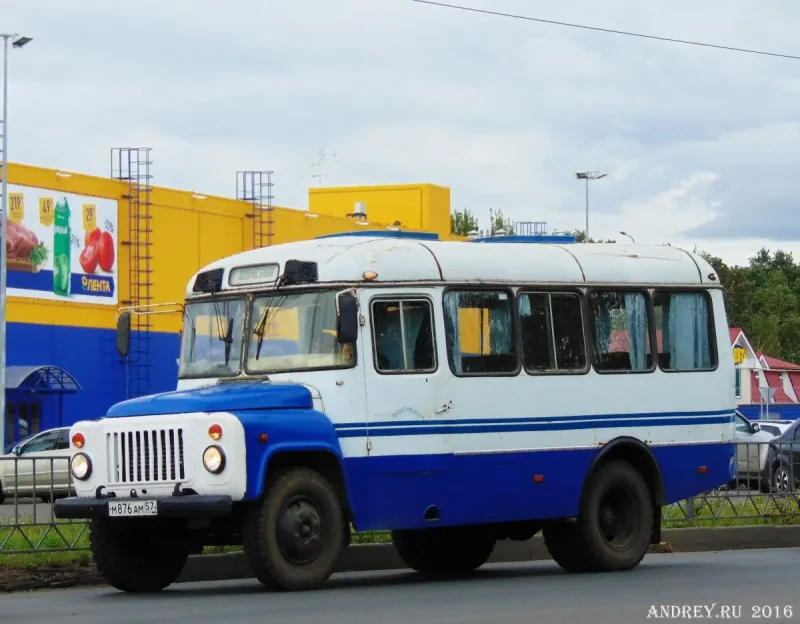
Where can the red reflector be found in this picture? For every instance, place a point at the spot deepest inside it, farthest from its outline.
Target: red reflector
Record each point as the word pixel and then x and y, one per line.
pixel 538 478
pixel 263 438
pixel 702 469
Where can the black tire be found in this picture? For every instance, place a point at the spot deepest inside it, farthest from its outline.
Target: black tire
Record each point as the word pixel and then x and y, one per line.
pixel 126 560
pixel 450 551
pixel 298 500
pixel 781 479
pixel 584 545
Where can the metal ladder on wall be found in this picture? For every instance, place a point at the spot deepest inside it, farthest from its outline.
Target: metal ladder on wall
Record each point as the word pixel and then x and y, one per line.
pixel 133 165
pixel 256 187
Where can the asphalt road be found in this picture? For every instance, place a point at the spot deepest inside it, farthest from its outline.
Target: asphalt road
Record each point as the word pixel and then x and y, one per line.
pixel 533 592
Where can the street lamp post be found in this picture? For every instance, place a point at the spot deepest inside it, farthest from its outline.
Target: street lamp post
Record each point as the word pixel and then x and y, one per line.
pixel 624 233
pixel 16 41
pixel 589 175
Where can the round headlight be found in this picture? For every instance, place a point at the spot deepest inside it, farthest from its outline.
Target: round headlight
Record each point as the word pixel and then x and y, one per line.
pixel 81 466
pixel 214 459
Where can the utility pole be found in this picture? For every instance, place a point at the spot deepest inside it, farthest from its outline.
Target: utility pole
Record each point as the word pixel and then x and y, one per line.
pixel 16 42
pixel 589 175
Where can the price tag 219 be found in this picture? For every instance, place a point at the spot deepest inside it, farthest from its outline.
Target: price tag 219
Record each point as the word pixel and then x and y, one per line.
pixel 46 215
pixel 16 207
pixel 89 217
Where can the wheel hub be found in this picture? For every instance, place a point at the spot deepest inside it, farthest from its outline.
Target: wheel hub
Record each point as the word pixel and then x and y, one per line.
pixel 617 516
pixel 299 532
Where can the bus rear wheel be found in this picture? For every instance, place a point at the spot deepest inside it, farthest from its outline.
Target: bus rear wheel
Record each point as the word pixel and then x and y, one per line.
pixel 612 531
pixel 294 536
pixel 451 551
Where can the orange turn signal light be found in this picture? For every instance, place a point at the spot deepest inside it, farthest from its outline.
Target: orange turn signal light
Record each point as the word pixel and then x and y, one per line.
pixel 702 469
pixel 78 440
pixel 538 478
pixel 215 432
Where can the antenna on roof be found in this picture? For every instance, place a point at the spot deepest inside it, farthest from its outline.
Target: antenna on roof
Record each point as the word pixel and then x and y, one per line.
pixel 320 164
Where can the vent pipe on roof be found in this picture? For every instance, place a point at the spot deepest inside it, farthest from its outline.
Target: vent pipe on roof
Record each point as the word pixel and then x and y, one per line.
pixel 359 211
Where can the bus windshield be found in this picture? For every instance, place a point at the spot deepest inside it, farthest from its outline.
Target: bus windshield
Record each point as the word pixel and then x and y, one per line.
pixel 212 338
pixel 294 332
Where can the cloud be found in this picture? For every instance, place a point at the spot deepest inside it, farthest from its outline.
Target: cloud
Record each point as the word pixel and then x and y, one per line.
pixel 699 144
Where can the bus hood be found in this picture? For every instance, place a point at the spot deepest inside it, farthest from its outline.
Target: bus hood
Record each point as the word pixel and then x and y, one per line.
pixel 224 397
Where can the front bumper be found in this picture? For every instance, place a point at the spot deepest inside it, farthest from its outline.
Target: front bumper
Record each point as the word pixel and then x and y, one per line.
pixel 188 506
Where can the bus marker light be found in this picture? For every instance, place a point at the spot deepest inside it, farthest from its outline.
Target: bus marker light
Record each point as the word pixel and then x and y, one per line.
pixel 215 432
pixel 538 478
pixel 78 440
pixel 702 469
pixel 263 438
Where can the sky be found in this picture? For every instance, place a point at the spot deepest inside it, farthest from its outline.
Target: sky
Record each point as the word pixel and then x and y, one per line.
pixel 699 144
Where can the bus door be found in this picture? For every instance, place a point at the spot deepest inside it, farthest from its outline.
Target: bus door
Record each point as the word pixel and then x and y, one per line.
pixel 404 391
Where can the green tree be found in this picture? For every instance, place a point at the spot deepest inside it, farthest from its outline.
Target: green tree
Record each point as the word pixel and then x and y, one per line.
pixel 462 222
pixel 498 222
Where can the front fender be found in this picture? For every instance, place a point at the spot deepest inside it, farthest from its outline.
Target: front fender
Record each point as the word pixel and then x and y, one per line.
pixel 292 430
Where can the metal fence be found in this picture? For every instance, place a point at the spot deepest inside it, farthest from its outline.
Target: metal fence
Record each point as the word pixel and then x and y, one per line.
pixel 766 491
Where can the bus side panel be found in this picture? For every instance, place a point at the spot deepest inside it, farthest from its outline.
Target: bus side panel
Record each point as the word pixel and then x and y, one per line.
pixel 394 492
pixel 682 468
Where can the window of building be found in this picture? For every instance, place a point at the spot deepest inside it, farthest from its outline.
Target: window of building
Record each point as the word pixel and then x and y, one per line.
pixel 621 331
pixel 551 330
pixel 403 335
pixel 685 332
pixel 738 383
pixel 480 332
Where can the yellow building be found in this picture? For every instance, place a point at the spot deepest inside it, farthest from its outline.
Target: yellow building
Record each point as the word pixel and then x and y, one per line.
pixel 82 247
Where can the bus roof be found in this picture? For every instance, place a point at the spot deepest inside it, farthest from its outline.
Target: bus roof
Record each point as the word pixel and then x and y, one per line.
pixel 343 259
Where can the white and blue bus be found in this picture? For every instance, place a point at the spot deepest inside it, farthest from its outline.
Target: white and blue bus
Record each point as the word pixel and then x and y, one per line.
pixel 453 393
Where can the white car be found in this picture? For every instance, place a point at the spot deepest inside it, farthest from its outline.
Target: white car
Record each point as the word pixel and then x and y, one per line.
pixel 29 462
pixel 752 439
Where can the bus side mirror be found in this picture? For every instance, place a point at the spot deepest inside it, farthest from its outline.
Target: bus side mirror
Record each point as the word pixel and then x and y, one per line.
pixel 124 333
pixel 347 321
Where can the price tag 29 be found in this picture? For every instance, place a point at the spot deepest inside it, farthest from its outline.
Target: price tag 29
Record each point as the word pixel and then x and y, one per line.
pixel 16 207
pixel 46 215
pixel 89 217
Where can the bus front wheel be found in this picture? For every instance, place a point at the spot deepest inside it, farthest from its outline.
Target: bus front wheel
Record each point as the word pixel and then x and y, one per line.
pixel 293 537
pixel 612 531
pixel 126 559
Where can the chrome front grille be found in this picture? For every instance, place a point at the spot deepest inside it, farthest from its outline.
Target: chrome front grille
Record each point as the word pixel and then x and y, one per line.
pixel 146 456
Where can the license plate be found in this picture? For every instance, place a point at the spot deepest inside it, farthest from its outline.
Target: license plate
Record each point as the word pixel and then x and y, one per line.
pixel 133 508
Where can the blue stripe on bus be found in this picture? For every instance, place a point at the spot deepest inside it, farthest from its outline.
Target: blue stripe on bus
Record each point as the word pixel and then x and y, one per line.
pixel 540 423
pixel 533 419
pixel 457 428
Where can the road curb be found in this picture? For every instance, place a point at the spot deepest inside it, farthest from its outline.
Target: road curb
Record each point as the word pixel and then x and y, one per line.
pixel 373 557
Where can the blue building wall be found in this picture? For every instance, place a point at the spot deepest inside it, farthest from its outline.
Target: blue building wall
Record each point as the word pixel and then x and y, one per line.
pixel 89 355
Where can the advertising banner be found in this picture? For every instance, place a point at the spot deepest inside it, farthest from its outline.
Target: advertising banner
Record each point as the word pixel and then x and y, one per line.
pixel 61 246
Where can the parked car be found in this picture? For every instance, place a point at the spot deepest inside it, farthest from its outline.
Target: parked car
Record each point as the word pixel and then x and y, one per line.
pixel 31 457
pixel 783 460
pixel 752 440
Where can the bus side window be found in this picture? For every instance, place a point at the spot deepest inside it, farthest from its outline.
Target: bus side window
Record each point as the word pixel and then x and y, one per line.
pixel 621 331
pixel 480 332
pixel 551 327
pixel 403 336
pixel 684 327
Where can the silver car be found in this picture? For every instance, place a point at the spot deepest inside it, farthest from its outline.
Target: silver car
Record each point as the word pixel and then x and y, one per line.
pixel 37 466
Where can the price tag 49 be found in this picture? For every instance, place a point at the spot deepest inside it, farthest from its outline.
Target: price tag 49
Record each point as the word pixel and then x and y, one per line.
pixel 46 215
